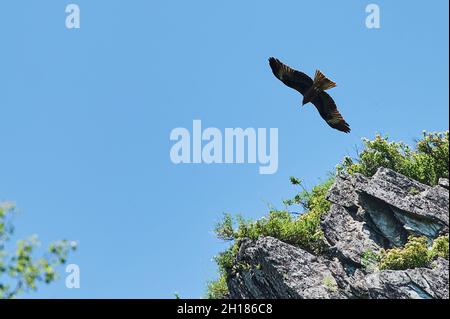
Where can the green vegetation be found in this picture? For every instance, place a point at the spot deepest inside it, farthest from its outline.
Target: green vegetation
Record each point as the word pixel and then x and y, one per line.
pixel 440 247
pixel 302 230
pixel 414 254
pixel 330 284
pixel 426 163
pixel 20 270
pixel 370 260
pixel 217 289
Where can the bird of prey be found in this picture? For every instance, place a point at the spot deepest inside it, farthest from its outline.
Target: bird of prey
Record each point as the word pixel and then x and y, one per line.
pixel 313 91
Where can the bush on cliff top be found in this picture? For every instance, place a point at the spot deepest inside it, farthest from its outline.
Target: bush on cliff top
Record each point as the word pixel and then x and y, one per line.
pixel 428 162
pixel 302 230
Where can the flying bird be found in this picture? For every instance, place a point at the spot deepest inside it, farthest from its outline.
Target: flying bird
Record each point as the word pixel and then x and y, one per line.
pixel 313 91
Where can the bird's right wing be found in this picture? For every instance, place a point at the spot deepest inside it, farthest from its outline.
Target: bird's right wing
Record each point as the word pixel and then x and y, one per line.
pixel 329 112
pixel 294 79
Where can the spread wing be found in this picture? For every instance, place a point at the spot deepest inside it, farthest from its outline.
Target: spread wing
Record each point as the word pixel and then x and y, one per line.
pixel 294 79
pixel 329 112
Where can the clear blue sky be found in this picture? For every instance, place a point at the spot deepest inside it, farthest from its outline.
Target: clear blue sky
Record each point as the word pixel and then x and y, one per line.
pixel 85 118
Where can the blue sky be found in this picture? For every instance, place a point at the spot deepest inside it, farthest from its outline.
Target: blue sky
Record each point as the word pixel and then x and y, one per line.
pixel 86 116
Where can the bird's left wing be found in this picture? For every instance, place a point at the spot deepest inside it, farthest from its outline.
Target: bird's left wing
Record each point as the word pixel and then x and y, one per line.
pixel 294 79
pixel 329 112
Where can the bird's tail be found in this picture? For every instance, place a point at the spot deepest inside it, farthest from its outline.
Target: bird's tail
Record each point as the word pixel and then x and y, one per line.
pixel 322 82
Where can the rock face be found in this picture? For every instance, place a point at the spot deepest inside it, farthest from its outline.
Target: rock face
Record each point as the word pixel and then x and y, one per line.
pixel 420 283
pixel 281 270
pixel 367 214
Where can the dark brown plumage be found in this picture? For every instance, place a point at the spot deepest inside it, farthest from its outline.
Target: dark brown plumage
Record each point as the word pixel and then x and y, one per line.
pixel 313 91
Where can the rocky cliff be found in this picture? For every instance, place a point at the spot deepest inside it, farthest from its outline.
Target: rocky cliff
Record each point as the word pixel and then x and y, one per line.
pixel 367 214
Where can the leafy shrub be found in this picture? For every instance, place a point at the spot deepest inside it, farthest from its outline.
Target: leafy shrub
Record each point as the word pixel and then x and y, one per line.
pixel 314 200
pixel 428 162
pixel 370 260
pixel 415 254
pixel 440 247
pixel 217 289
pixel 302 230
pixel 226 260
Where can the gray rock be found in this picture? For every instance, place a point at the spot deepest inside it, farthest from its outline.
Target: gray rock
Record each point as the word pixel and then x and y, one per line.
pixel 342 192
pixel 443 182
pixel 420 283
pixel 383 221
pixel 348 236
pixel 278 270
pixel 410 197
